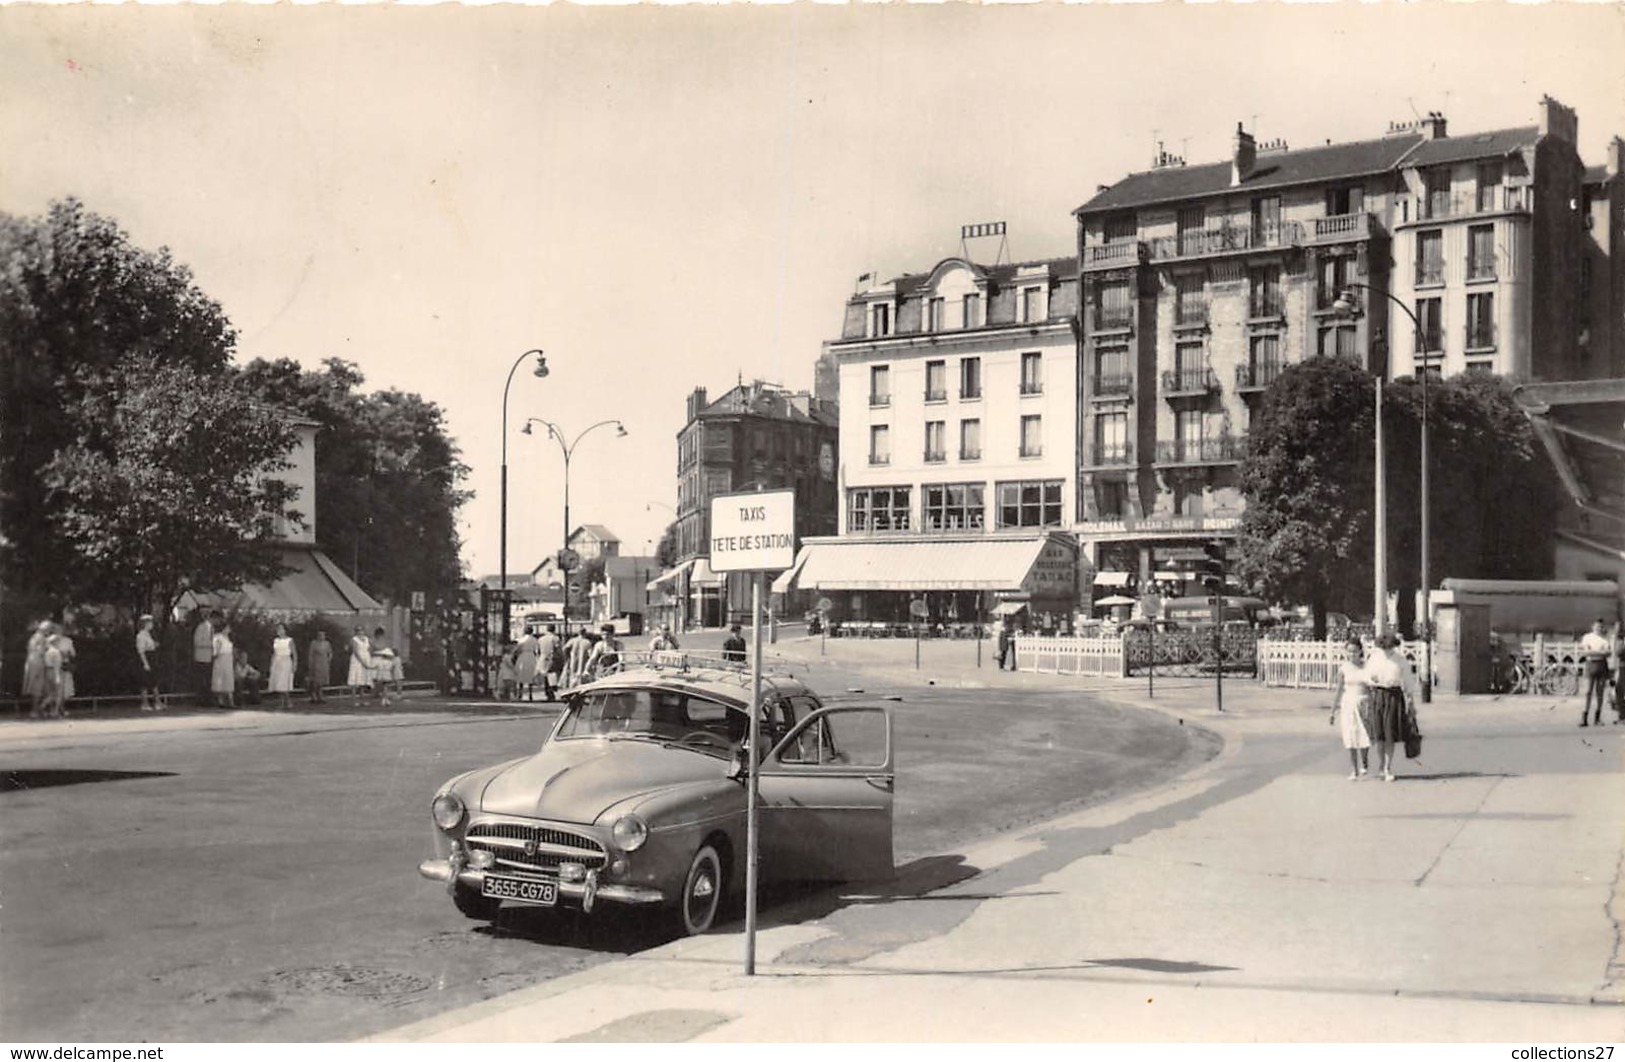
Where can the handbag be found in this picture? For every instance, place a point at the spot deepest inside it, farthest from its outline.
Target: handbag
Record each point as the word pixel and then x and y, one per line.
pixel 1413 736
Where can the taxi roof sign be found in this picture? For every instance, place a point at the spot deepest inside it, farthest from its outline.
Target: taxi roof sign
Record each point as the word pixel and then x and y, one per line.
pixel 753 532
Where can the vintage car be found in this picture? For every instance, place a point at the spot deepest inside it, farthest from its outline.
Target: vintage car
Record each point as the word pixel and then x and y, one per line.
pixel 638 796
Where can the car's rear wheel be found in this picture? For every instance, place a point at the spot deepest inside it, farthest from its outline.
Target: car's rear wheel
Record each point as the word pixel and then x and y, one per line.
pixel 475 906
pixel 702 892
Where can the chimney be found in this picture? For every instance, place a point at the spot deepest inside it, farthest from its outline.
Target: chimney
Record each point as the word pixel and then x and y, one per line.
pixel 1246 155
pixel 1433 126
pixel 1558 121
pixel 696 402
pixel 1163 160
pixel 1616 157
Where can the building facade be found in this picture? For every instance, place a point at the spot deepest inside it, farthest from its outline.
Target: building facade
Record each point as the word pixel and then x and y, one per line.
pixel 1200 284
pixel 957 446
pixel 755 436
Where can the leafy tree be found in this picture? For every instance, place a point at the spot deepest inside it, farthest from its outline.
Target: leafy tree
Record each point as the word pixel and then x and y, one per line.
pixel 666 551
pixel 1307 532
pixel 169 484
pixel 386 475
pixel 76 298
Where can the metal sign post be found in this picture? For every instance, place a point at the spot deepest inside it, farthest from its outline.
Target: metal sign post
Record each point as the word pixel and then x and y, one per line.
pixel 755 533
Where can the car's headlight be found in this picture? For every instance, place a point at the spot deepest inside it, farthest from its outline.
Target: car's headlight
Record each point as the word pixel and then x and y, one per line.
pixel 448 811
pixel 629 832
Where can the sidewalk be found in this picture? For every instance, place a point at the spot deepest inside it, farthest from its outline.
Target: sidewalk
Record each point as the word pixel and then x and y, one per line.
pixel 1263 897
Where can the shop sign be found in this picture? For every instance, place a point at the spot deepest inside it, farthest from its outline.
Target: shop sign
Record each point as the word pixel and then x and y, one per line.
pixel 753 532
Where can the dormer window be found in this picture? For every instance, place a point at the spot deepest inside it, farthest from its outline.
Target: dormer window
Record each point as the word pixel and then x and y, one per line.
pixel 933 314
pixel 972 311
pixel 1032 305
pixel 879 320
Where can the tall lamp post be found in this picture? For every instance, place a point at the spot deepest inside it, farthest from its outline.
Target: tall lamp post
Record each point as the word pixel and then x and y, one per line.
pixel 556 433
pixel 502 556
pixel 1345 306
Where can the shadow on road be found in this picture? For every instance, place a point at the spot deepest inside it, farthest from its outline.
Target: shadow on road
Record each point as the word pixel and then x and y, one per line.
pixel 45 778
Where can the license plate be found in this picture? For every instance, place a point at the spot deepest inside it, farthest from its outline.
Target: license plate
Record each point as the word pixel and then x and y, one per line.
pixel 544 893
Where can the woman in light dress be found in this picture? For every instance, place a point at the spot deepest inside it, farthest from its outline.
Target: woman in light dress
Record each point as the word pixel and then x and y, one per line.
pixel 1350 704
pixel 284 658
pixel 34 679
pixel 385 666
pixel 223 673
pixel 360 676
pixel 53 677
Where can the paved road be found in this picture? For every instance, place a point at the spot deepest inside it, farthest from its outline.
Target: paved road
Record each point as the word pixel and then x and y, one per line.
pixel 253 877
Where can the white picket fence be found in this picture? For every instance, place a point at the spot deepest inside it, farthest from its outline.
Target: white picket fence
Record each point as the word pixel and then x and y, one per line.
pixel 1097 656
pixel 1312 665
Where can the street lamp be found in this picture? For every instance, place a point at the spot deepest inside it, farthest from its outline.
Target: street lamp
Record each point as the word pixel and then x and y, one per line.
pixel 556 433
pixel 502 557
pixel 1345 306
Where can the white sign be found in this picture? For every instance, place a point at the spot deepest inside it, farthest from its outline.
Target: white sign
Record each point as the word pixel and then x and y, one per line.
pixel 753 532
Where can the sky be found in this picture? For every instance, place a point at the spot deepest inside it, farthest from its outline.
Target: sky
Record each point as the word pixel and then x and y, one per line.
pixel 670 197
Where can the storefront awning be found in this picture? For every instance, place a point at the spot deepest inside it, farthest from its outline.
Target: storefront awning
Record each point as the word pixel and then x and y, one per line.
pixel 1009 608
pixel 787 578
pixel 990 564
pixel 314 584
pixel 703 575
pixel 667 579
pixel 1112 578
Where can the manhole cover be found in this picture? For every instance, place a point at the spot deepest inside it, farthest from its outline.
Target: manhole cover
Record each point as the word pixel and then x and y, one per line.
pixel 345 980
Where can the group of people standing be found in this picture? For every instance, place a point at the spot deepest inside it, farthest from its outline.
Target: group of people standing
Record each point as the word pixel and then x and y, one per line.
pixel 554 664
pixel 1374 704
pixel 222 670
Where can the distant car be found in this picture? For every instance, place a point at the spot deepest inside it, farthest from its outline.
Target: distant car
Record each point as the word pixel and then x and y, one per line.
pixel 638 797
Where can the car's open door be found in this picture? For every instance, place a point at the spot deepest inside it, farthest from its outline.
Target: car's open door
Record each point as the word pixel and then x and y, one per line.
pixel 826 798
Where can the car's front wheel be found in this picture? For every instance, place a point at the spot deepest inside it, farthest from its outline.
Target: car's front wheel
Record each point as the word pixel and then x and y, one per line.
pixel 702 892
pixel 475 906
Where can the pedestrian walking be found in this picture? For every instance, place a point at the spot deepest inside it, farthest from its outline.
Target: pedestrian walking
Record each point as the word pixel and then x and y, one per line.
pixel 526 661
pixel 733 647
pixel 34 678
pixel 1394 693
pixel 508 671
pixel 663 641
pixel 386 666
pixel 1351 703
pixel 51 705
pixel 360 674
pixel 203 655
pixel 70 662
pixel 576 652
pixel 223 667
pixel 319 667
pixel 1595 649
pixel 1007 643
pixel 284 660
pixel 146 650
pixel 550 659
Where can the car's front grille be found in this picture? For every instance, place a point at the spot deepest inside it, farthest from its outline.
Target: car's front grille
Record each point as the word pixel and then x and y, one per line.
pixel 522 846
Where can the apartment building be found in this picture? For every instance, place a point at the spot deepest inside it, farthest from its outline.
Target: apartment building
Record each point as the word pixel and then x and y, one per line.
pixel 1200 284
pixel 756 435
pixel 957 447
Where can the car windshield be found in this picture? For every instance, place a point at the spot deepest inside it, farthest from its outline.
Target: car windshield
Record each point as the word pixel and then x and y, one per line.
pixel 655 714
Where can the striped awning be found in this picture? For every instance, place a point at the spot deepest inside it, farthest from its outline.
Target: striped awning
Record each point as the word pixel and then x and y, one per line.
pixel 990 564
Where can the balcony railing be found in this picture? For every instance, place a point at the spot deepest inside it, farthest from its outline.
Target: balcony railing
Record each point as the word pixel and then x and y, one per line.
pixel 1445 206
pixel 1190 315
pixel 1189 382
pixel 1107 454
pixel 1340 228
pixel 1111 384
pixel 1262 306
pixel 1481 337
pixel 1430 273
pixel 1115 255
pixel 1114 317
pixel 880 459
pixel 1481 268
pixel 935 456
pixel 877 401
pixel 1326 296
pixel 1208 450
pixel 1227 240
pixel 974 454
pixel 938 395
pixel 1258 376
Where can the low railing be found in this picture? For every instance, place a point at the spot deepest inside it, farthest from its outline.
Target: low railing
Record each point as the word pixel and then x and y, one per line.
pixel 1106 454
pixel 1112 384
pixel 1100 656
pixel 1116 254
pixel 1441 206
pixel 1481 337
pixel 1189 381
pixel 1226 240
pixel 1258 377
pixel 1312 664
pixel 1341 227
pixel 1194 451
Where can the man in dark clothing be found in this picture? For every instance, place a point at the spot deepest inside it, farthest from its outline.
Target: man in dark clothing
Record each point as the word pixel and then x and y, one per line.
pixel 733 649
pixel 1007 644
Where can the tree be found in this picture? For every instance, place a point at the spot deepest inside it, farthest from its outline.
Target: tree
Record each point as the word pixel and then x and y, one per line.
pixel 386 475
pixel 666 551
pixel 169 484
pixel 76 298
pixel 1306 533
